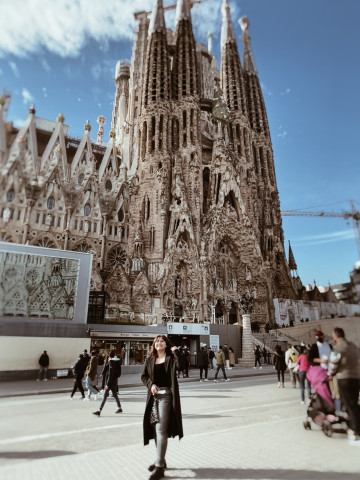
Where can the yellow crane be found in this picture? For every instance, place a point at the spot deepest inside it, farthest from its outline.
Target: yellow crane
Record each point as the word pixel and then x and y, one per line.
pixel 353 214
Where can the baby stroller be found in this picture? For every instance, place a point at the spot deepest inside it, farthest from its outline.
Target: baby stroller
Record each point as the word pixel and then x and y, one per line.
pixel 321 409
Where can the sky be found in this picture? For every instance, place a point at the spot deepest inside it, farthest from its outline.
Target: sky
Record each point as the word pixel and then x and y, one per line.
pixel 61 57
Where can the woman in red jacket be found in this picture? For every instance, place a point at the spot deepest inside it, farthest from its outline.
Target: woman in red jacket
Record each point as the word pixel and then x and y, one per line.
pixel 304 366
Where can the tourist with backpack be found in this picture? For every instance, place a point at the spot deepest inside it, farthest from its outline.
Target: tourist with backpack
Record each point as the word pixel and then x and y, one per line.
pixel 111 373
pixel 291 356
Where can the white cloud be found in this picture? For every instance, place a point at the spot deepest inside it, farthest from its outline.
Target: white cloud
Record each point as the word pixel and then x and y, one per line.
pixel 27 96
pixel 265 89
pixel 14 69
pixel 64 27
pixel 45 65
pixel 324 238
pixel 44 89
pixel 282 133
pixel 286 92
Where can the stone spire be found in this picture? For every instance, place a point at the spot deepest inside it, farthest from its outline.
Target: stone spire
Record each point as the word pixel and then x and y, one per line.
pixel 231 72
pixel 157 21
pixel 255 99
pixel 182 11
pixel 185 79
pixel 157 82
pixel 291 261
pixel 227 29
pixel 249 62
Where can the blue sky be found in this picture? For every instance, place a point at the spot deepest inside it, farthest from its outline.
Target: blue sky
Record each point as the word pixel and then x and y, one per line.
pixel 61 56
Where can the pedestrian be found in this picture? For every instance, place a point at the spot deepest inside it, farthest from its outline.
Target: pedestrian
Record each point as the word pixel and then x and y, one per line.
pixel 90 376
pixel 304 365
pixel 86 356
pixel 265 354
pixel 78 371
pixel 44 364
pixel 211 358
pixel 257 353
pixel 186 354
pixel 280 365
pixel 291 356
pixel 220 364
pixel 348 378
pixel 231 358
pixel 111 374
pixel 203 363
pixel 320 351
pixel 225 349
pixel 163 400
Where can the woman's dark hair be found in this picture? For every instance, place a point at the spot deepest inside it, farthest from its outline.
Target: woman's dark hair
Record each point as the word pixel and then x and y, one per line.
pixel 153 351
pixel 304 350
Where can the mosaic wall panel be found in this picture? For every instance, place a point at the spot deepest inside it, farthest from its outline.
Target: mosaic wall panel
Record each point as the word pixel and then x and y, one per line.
pixel 38 286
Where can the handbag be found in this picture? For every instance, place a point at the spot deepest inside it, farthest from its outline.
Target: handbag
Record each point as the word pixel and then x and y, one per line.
pixel 296 368
pixel 154 412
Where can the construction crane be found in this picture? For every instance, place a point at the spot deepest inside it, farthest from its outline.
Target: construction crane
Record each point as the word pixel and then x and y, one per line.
pixel 354 215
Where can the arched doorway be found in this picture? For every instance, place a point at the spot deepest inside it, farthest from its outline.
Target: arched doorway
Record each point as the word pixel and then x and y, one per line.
pixel 219 312
pixel 233 314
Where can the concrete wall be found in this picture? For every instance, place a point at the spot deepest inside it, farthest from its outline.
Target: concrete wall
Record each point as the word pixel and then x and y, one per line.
pixel 304 332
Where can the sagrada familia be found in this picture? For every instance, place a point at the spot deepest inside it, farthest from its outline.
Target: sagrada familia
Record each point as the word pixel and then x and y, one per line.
pixel 180 207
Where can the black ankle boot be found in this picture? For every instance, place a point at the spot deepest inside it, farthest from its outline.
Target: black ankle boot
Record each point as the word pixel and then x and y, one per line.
pixel 153 466
pixel 157 474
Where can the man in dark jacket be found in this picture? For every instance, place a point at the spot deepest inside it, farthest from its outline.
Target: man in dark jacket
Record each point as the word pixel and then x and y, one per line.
pixel 79 370
pixel 111 373
pixel 44 364
pixel 203 363
pixel 348 377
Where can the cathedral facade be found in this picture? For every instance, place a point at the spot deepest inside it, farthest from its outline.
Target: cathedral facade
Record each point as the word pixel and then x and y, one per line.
pixel 180 208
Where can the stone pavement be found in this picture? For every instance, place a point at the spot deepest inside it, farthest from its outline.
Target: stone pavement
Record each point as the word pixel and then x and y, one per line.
pixel 64 385
pixel 229 438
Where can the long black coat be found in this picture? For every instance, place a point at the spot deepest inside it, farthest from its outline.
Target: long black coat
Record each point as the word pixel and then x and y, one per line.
pixel 279 361
pixel 174 362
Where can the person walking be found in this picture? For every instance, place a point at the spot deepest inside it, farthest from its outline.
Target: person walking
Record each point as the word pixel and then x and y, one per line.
pixel 280 365
pixel 231 358
pixel 304 366
pixel 257 353
pixel 79 370
pixel 90 374
pixel 320 351
pixel 163 400
pixel 220 364
pixel 203 363
pixel 211 358
pixel 111 374
pixel 225 349
pixel 44 362
pixel 291 356
pixel 348 377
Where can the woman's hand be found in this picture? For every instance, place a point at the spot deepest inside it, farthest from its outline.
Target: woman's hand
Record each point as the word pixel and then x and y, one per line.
pixel 173 349
pixel 154 389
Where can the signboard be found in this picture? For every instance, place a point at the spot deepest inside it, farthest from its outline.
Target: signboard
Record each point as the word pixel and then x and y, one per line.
pixel 188 328
pixel 62 373
pixel 214 342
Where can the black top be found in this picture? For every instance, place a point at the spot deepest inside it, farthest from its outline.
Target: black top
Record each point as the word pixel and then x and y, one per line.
pixel 162 377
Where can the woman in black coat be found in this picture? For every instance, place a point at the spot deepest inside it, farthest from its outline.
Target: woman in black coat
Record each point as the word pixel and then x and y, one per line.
pixel 160 378
pixel 280 365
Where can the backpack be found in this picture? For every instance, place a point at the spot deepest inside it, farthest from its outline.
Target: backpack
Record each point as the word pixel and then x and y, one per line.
pixel 293 355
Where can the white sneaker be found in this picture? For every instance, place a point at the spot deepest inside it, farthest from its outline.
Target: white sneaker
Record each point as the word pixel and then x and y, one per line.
pixel 201 380
pixel 45 379
pixel 206 380
pixel 302 402
pixel 86 399
pixel 216 381
pixel 227 380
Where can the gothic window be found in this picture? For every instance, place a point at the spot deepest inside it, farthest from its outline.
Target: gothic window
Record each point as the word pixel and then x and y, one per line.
pixel 206 186
pixel 116 256
pixel 50 203
pixel 121 215
pixel 161 126
pixel 178 290
pixel 84 248
pixel 87 210
pixel 144 139
pixel 45 242
pixel 153 132
pixel 184 128
pixel 10 195
pixel 81 178
pixel 108 185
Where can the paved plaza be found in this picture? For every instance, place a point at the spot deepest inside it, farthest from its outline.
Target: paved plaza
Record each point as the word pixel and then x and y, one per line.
pixel 246 429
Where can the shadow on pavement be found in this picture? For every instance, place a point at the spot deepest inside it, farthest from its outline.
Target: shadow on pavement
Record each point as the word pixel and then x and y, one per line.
pixel 36 455
pixel 278 474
